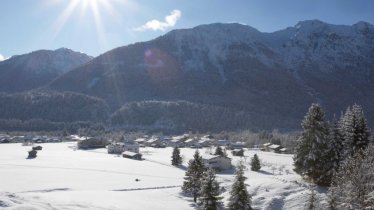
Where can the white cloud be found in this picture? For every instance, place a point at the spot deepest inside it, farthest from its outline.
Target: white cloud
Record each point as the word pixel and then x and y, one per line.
pixel 157 25
pixel 2 58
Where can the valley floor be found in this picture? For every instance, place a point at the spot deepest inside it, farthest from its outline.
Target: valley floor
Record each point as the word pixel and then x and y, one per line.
pixel 62 177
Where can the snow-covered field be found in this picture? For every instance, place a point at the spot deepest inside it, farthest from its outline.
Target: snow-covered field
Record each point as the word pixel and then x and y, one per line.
pixel 62 177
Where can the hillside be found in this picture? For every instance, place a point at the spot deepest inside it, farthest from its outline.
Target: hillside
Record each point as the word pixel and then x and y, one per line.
pixel 238 67
pixel 38 68
pixel 52 106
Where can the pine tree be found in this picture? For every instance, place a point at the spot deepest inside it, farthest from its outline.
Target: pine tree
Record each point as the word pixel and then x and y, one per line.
pixel 355 131
pixel 176 159
pixel 335 145
pixel 255 163
pixel 353 184
pixel 312 156
pixel 239 196
pixel 209 191
pixel 192 179
pixel 219 151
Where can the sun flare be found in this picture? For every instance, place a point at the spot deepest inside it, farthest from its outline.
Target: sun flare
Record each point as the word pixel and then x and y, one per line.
pixel 87 9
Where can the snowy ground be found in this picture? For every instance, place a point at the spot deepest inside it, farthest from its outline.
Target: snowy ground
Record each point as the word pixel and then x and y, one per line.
pixel 62 177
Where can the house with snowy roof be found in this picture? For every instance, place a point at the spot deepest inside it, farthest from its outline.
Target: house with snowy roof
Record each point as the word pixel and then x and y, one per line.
pixel 216 162
pixel 120 147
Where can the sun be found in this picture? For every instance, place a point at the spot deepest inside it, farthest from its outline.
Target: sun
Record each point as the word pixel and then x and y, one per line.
pixel 86 9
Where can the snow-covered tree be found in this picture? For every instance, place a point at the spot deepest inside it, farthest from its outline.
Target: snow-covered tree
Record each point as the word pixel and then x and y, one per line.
pixel 312 155
pixel 255 163
pixel 239 199
pixel 219 151
pixel 192 179
pixel 353 186
pixel 335 144
pixel 209 193
pixel 354 129
pixel 176 158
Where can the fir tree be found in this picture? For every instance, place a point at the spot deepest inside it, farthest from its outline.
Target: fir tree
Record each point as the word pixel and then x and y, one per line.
pixel 335 145
pixel 255 163
pixel 239 196
pixel 312 156
pixel 176 159
pixel 192 179
pixel 209 191
pixel 219 151
pixel 353 184
pixel 355 131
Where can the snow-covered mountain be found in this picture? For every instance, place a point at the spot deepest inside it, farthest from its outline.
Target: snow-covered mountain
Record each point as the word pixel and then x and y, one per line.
pixel 232 65
pixel 36 69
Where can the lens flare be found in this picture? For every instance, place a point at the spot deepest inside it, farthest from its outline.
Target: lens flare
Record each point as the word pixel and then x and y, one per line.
pixel 88 10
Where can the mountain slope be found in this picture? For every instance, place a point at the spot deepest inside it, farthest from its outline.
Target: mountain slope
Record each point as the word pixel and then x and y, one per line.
pixel 36 69
pixel 238 67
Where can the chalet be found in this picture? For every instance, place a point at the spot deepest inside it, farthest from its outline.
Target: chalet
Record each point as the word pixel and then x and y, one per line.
pixel 92 143
pixel 176 142
pixel 38 139
pixel 238 152
pixel 140 140
pixel 205 142
pixel 154 142
pixel 265 147
pixel 275 148
pixel 236 145
pixel 283 150
pixel 132 155
pixel 217 162
pixel 190 142
pixel 223 143
pixel 120 147
pixel 5 140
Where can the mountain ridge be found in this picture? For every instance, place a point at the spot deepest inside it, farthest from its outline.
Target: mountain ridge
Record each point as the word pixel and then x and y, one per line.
pixel 36 69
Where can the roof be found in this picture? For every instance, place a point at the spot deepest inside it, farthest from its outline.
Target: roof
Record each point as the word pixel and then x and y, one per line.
pixel 189 140
pixel 237 150
pixel 140 139
pixel 267 144
pixel 274 146
pixel 209 157
pixel 152 140
pixel 283 149
pixel 131 154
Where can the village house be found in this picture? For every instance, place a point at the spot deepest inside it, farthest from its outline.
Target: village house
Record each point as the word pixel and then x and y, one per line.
pixel 92 143
pixel 236 145
pixel 154 142
pixel 176 142
pixel 275 148
pixel 238 152
pixel 216 162
pixel 205 142
pixel 265 147
pixel 120 147
pixel 190 142
pixel 132 155
pixel 283 150
pixel 222 143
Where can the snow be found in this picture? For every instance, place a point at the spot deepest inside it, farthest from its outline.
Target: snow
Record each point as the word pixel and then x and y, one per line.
pixel 62 177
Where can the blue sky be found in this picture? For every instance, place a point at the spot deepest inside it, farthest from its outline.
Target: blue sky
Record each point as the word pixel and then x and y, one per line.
pixel 96 26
